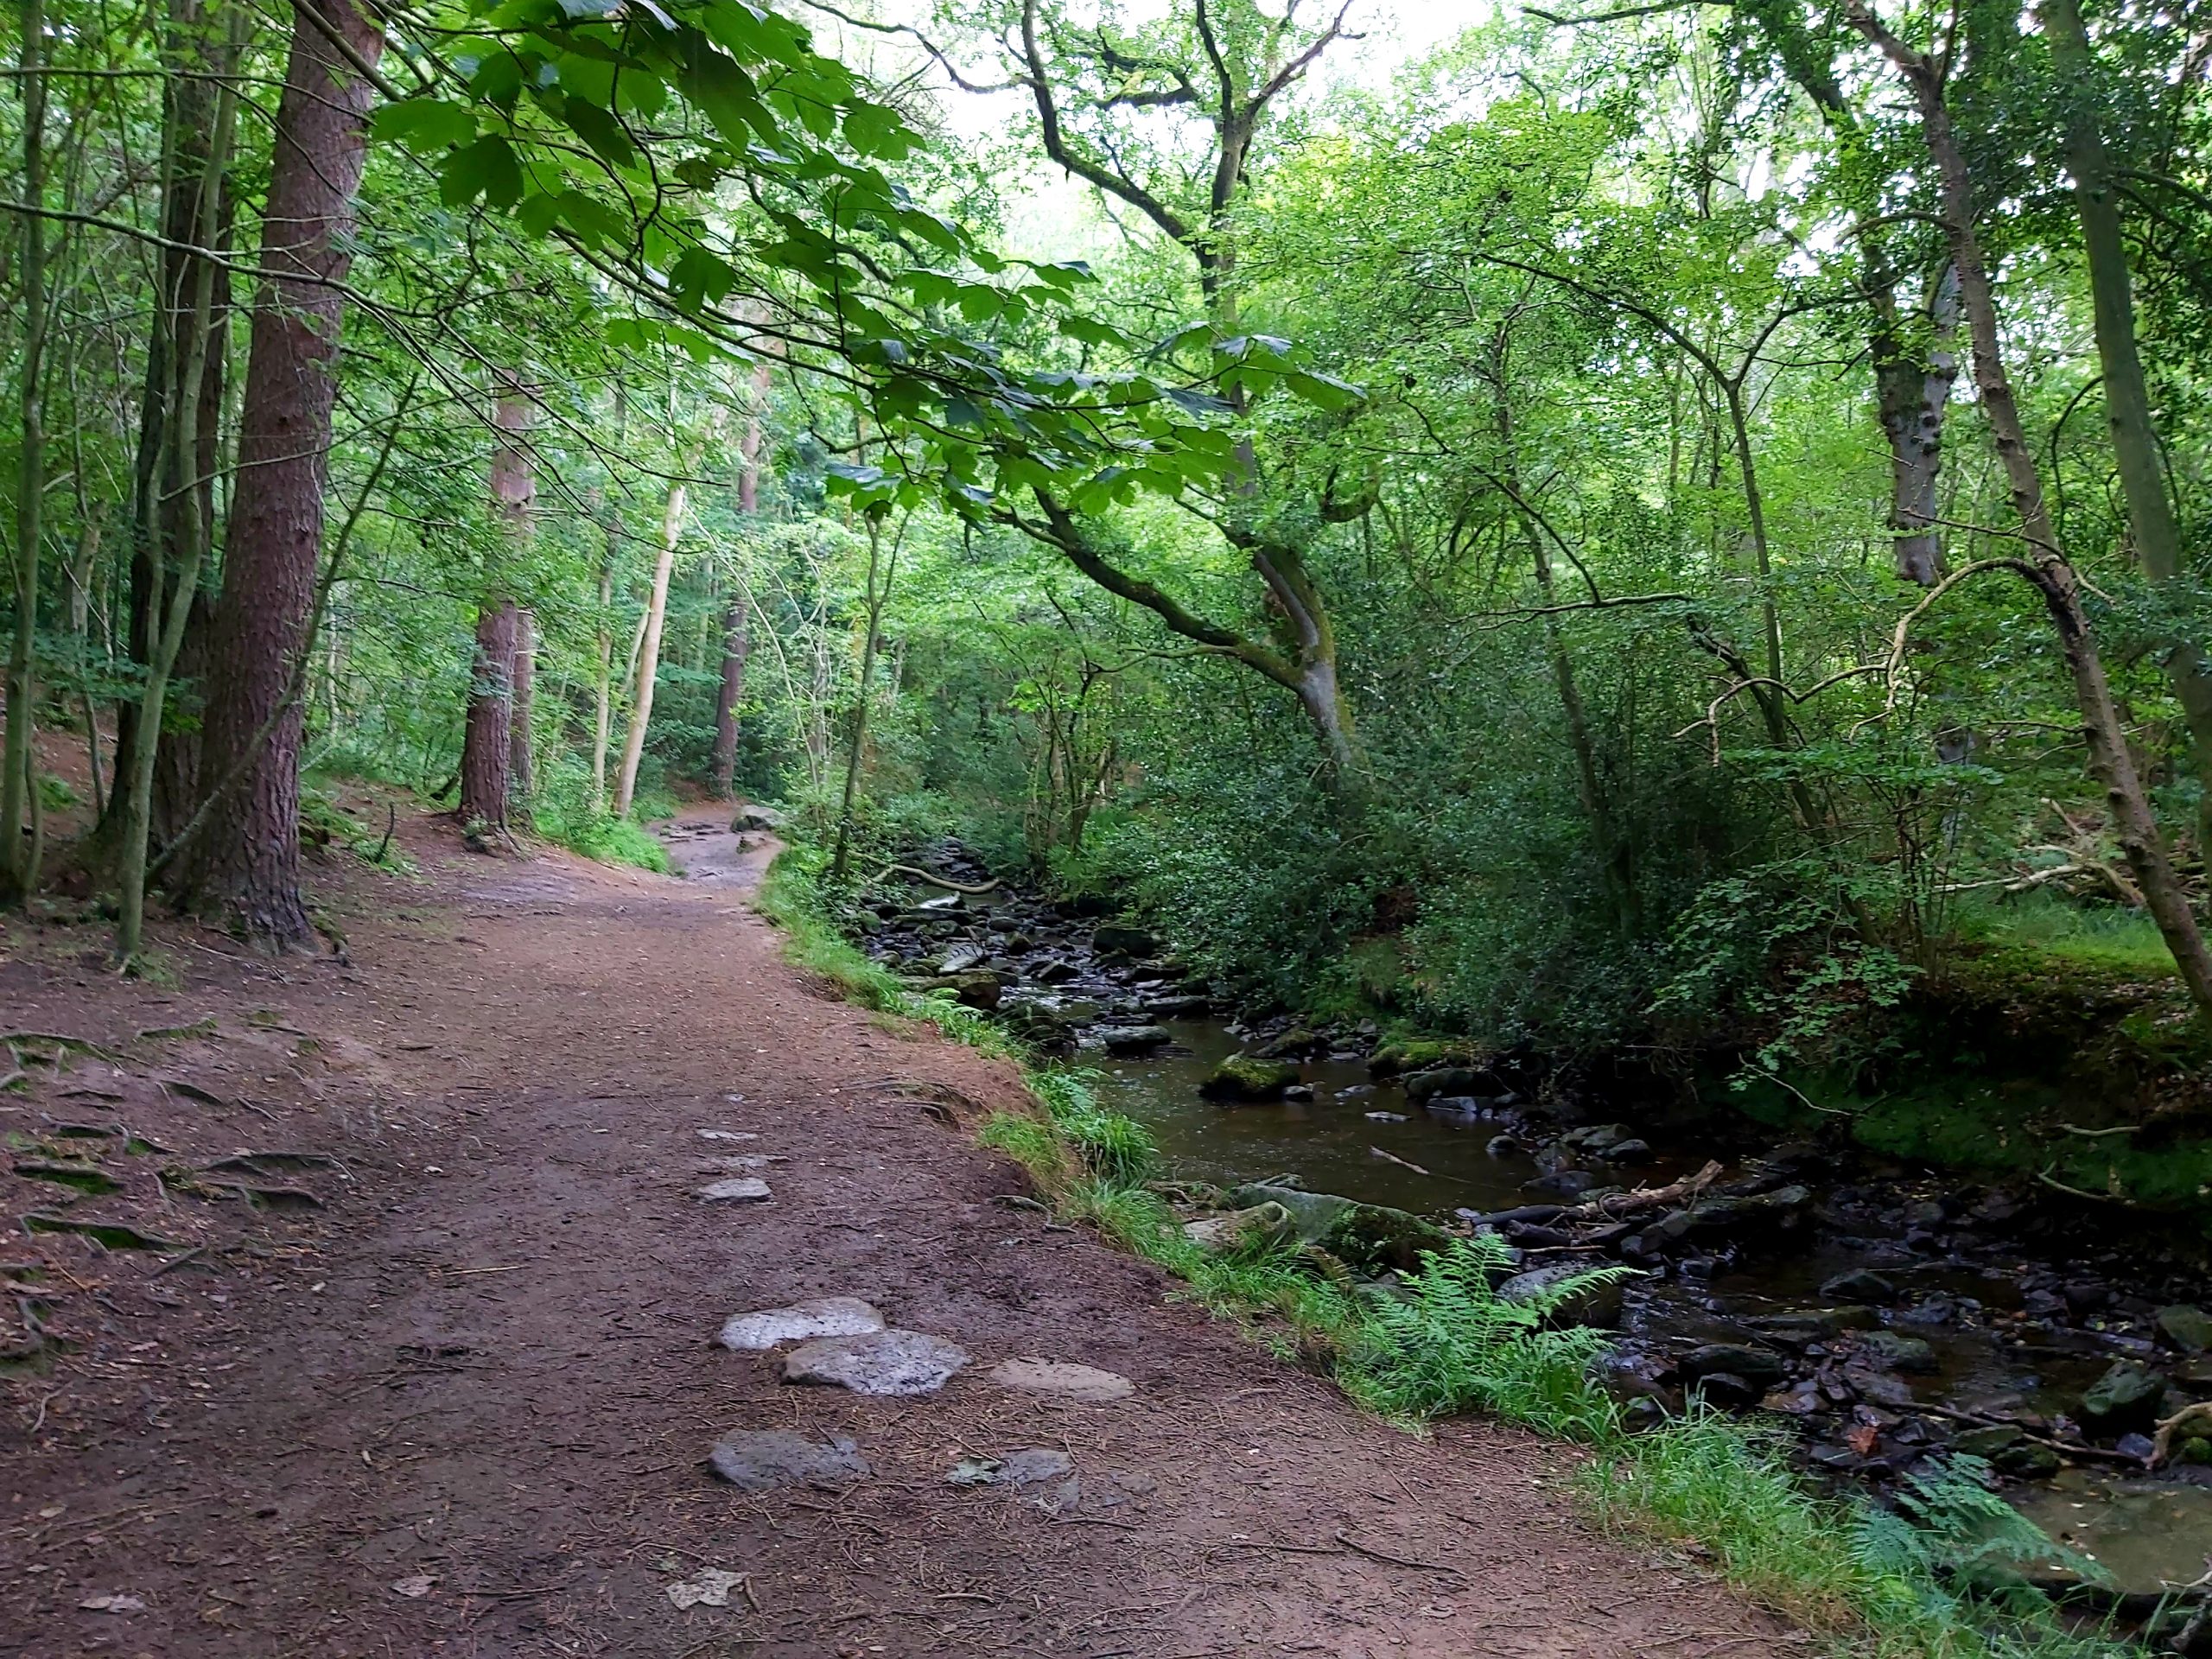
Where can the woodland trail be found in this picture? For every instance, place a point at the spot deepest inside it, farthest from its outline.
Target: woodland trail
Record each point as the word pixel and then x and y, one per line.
pixel 465 1408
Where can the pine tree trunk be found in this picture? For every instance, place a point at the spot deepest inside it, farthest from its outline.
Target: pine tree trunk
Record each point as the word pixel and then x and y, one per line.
pixel 603 688
pixel 641 706
pixel 488 744
pixel 245 866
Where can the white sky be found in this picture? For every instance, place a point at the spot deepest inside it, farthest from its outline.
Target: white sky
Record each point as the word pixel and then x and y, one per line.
pixel 1052 217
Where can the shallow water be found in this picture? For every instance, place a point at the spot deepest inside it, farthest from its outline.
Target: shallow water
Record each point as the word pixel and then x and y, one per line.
pixel 2149 1535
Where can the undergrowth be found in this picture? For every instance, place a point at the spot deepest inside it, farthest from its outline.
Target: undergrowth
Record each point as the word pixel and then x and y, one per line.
pixel 1938 1577
pixel 562 811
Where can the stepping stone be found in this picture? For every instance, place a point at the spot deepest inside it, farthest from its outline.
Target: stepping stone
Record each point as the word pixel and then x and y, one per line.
pixel 743 1162
pixel 900 1362
pixel 728 1135
pixel 739 1189
pixel 826 1316
pixel 760 1460
pixel 1084 1384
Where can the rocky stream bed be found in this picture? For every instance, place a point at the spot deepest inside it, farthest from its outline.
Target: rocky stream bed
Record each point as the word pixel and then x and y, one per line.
pixel 1888 1312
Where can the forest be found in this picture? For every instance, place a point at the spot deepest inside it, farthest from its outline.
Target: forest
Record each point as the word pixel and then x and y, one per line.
pixel 1647 521
pixel 1640 562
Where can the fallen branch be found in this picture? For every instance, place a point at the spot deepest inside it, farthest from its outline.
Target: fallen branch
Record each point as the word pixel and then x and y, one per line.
pixel 936 880
pixel 1645 1198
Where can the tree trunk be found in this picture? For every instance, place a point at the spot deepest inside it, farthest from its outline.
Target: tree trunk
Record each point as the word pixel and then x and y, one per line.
pixel 1912 393
pixel 172 491
pixel 488 743
pixel 603 689
pixel 2134 826
pixel 2156 533
pixel 17 791
pixel 521 770
pixel 879 595
pixel 737 621
pixel 497 726
pixel 641 707
pixel 246 864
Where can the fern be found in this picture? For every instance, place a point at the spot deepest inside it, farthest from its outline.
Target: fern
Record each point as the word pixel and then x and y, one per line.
pixel 1453 1344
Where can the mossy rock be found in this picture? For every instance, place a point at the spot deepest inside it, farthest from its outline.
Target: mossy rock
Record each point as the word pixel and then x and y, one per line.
pixel 1247 1076
pixel 1421 1054
pixel 1374 1238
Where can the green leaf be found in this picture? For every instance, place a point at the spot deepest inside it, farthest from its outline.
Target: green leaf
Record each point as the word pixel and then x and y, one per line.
pixel 486 168
pixel 876 130
pixel 600 130
pixel 424 123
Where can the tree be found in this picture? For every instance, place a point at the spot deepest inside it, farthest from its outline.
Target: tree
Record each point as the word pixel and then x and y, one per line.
pixel 246 865
pixel 497 679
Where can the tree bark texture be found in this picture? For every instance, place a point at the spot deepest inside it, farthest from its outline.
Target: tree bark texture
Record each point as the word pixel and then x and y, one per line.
pixel 1912 394
pixel 488 746
pixel 641 706
pixel 522 765
pixel 246 864
pixel 737 620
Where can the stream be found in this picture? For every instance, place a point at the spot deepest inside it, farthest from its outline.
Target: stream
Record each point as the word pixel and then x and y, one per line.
pixel 1890 1310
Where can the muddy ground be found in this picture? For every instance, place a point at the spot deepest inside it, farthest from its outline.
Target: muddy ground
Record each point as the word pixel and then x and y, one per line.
pixel 431 1370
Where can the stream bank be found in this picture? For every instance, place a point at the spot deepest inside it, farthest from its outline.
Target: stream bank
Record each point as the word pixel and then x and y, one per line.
pixel 1894 1314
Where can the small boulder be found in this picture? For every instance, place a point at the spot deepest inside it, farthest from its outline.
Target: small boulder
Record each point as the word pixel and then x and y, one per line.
pixel 1261 1225
pixel 2189 1329
pixel 1628 1151
pixel 1597 1305
pixel 1246 1076
pixel 1293 1045
pixel 891 1362
pixel 1311 1214
pixel 1054 971
pixel 1861 1284
pixel 1137 1039
pixel 1755 1366
pixel 755 816
pixel 1564 1184
pixel 2125 1398
pixel 1371 1238
pixel 1893 1351
pixel 1396 1059
pixel 1113 939
pixel 1809 1325
pixel 1449 1080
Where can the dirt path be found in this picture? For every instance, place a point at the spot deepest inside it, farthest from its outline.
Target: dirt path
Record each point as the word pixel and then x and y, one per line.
pixel 465 1408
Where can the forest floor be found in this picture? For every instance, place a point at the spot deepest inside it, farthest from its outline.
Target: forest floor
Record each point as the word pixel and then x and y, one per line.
pixel 455 1392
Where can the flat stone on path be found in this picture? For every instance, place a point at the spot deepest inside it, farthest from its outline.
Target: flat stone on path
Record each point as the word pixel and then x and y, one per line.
pixel 1023 1468
pixel 739 1189
pixel 826 1316
pixel 760 1460
pixel 1085 1383
pixel 898 1363
pixel 728 1135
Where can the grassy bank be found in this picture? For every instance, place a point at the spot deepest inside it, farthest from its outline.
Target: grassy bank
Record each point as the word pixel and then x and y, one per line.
pixel 1927 1578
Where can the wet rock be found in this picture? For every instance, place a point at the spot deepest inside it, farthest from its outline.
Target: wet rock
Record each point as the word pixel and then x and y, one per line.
pixel 826 1316
pixel 1861 1284
pixel 1293 1045
pixel 1386 1117
pixel 2194 1373
pixel 2028 1460
pixel 1566 1184
pixel 890 1362
pixel 1371 1238
pixel 1137 1039
pixel 959 958
pixel 1448 1080
pixel 1178 1008
pixel 2085 1296
pixel 1502 1145
pixel 2136 1445
pixel 1628 1151
pixel 1986 1442
pixel 940 904
pixel 1054 971
pixel 979 989
pixel 1894 1351
pixel 2189 1329
pixel 1086 1384
pixel 1726 1388
pixel 1114 940
pixel 760 1460
pixel 1246 1076
pixel 1756 1366
pixel 1800 1326
pixel 1598 1305
pixel 739 1189
pixel 2125 1398
pixel 1396 1059
pixel 1597 1138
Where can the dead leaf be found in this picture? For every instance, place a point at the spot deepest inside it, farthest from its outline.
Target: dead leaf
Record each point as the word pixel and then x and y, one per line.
pixel 117 1604
pixel 1863 1439
pixel 414 1587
